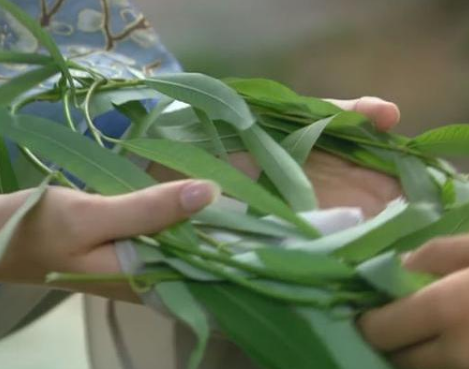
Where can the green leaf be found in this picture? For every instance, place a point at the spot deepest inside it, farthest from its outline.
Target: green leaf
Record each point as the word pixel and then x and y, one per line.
pixel 179 300
pixel 451 140
pixel 300 143
pixel 270 332
pixel 197 163
pixel 284 172
pixel 134 110
pixel 21 84
pixel 296 265
pixel 366 240
pixel 342 339
pixel 453 222
pixel 42 36
pixel 386 273
pixel 235 221
pixel 272 94
pixel 205 93
pixel 24 58
pixel 104 101
pixel 416 181
pixel 8 181
pixel 448 193
pixel 376 240
pixel 152 256
pixel 211 131
pixel 101 169
pixel 8 230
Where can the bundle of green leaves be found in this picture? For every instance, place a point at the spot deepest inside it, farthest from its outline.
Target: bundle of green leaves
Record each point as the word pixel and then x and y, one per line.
pixel 284 293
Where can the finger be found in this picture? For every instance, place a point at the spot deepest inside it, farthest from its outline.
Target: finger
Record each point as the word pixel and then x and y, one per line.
pixel 440 256
pixel 428 355
pixel 405 322
pixel 383 113
pixel 102 260
pixel 150 210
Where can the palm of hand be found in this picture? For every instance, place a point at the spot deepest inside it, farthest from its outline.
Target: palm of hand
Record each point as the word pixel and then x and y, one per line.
pixel 338 182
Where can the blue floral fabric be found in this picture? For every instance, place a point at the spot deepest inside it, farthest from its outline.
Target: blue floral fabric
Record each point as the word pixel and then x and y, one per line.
pixel 110 35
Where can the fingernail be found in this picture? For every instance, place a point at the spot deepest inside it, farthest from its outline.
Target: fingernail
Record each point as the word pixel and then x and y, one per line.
pixel 198 194
pixel 405 257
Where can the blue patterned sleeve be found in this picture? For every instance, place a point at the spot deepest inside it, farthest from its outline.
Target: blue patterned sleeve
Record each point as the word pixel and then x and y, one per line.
pixel 110 35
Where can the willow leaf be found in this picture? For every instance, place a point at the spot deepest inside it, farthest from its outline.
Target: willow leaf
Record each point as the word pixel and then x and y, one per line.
pixel 386 273
pixel 197 163
pixel 9 228
pixel 21 84
pixel 296 265
pixel 272 94
pixel 453 222
pixel 270 332
pixel 236 221
pixel 211 131
pixel 451 140
pixel 416 181
pixel 300 143
pixel 24 58
pixel 8 180
pixel 179 300
pixel 101 169
pixel 342 339
pixel 284 172
pixel 206 93
pixel 368 239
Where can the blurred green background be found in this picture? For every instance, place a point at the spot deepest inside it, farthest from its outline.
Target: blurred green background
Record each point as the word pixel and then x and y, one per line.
pixel 413 52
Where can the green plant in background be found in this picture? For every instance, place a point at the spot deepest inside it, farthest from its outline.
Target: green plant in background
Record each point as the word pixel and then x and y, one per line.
pixel 283 292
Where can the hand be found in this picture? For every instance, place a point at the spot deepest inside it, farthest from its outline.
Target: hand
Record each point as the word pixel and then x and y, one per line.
pixel 430 329
pixel 342 183
pixel 73 232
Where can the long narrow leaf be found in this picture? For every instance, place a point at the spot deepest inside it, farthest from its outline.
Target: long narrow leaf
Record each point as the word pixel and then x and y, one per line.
pixel 386 273
pixel 416 181
pixel 197 163
pixel 268 331
pixel 8 180
pixel 206 93
pixel 179 300
pixel 284 172
pixel 24 58
pixel 8 230
pixel 17 86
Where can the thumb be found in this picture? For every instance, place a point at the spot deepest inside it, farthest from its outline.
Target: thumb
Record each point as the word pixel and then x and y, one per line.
pixel 383 113
pixel 150 210
pixel 440 256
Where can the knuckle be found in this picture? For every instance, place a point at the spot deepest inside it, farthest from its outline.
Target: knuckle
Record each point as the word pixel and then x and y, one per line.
pixel 79 211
